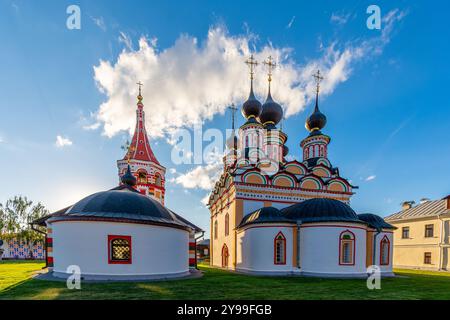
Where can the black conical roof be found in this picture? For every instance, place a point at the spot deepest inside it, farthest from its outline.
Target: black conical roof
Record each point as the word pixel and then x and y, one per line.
pixel 317 120
pixel 251 107
pixel 271 111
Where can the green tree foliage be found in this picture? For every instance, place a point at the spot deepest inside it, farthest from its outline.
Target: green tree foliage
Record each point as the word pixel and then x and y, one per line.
pixel 15 218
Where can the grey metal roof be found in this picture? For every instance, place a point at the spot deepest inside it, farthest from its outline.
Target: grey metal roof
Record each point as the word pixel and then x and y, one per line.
pixel 426 209
pixel 122 203
pixel 321 210
pixel 375 221
pixel 265 215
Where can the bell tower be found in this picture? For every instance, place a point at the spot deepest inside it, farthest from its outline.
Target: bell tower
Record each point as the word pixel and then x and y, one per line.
pixel 315 145
pixel 147 170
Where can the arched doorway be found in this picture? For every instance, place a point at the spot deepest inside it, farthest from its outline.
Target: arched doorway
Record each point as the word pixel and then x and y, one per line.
pixel 225 256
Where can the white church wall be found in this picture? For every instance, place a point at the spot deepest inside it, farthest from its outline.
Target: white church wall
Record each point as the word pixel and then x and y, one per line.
pixel 256 249
pixel 319 249
pixel 380 236
pixel 155 250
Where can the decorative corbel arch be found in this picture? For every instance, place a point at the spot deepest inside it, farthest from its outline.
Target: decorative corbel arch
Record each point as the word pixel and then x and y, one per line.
pixel 311 182
pixel 284 180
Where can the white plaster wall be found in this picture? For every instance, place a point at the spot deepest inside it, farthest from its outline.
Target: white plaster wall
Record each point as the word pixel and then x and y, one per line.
pixel 319 250
pixel 256 248
pixel 380 236
pixel 155 250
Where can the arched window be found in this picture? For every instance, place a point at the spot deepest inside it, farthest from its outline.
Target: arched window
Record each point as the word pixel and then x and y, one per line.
pixel 316 150
pixel 158 180
pixel 142 177
pixel 215 230
pixel 311 152
pixel 279 255
pixel 347 248
pixel 321 151
pixel 225 256
pixel 119 249
pixel 227 224
pixel 384 251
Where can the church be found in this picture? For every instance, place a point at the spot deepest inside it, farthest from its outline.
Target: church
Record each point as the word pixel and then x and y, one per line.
pixel 125 233
pixel 273 216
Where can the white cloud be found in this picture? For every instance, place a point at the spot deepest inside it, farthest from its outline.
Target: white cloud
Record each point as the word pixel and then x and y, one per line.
pixel 62 142
pixel 126 40
pixel 99 22
pixel 205 199
pixel 203 176
pixel 370 178
pixel 192 81
pixel 290 23
pixel 340 17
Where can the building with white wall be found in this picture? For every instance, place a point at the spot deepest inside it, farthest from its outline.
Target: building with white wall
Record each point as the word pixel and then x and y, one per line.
pixel 274 215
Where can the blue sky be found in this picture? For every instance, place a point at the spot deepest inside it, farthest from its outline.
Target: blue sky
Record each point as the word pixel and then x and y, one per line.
pixel 388 114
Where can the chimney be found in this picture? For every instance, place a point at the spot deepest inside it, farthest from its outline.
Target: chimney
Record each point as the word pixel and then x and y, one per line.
pixel 407 205
pixel 447 202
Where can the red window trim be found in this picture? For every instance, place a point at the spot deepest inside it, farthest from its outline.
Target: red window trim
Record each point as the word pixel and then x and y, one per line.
pixel 381 251
pixel 128 238
pixel 275 249
pixel 353 248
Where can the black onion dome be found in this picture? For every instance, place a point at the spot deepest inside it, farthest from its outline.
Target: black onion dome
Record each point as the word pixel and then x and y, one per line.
pixel 128 178
pixel 316 121
pixel 285 150
pixel 271 111
pixel 265 215
pixel 375 221
pixel 121 204
pixel 251 107
pixel 321 210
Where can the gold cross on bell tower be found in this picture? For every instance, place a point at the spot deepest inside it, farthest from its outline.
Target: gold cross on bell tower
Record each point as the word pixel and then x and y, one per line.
pixel 233 109
pixel 140 95
pixel 252 63
pixel 140 85
pixel 319 79
pixel 270 64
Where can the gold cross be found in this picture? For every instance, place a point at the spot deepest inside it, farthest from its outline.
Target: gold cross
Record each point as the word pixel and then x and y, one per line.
pixel 140 85
pixel 318 78
pixel 233 109
pixel 129 148
pixel 252 63
pixel 270 64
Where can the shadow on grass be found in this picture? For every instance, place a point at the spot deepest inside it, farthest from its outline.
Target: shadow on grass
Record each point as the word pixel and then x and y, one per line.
pixel 220 284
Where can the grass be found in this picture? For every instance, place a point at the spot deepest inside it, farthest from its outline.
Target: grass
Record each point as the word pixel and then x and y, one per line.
pixel 15 283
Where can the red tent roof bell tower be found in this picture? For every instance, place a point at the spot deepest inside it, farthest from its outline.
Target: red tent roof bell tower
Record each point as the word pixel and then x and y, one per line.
pixel 150 174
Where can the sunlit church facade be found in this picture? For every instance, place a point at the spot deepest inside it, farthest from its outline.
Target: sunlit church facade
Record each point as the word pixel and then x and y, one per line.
pixel 274 216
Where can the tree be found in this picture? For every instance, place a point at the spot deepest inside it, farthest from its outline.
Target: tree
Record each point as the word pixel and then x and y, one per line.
pixel 15 218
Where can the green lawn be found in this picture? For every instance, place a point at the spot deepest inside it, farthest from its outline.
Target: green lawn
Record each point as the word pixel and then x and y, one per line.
pixel 15 283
